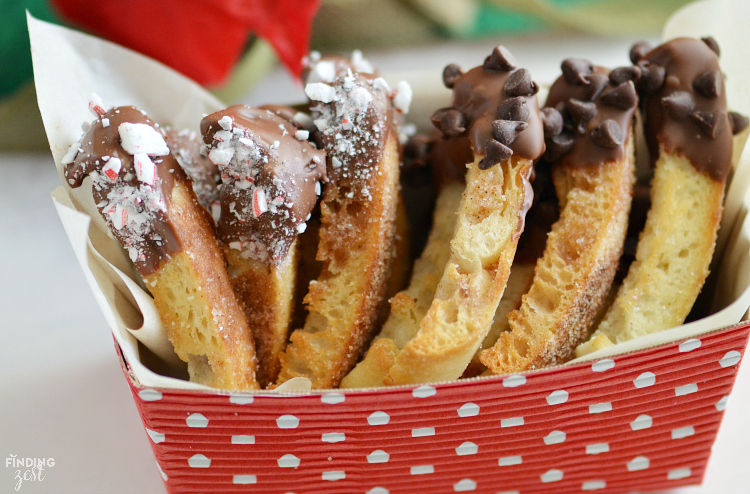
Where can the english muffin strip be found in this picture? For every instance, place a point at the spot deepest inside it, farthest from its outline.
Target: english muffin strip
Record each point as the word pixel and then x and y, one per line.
pixel 148 203
pixel 271 179
pixel 409 306
pixel 689 133
pixel 589 132
pixel 357 121
pixel 495 107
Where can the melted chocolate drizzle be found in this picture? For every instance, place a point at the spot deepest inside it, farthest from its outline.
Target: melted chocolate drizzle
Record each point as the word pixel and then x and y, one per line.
pixel 137 213
pixel 596 108
pixel 494 110
pixel 270 181
pixel 684 105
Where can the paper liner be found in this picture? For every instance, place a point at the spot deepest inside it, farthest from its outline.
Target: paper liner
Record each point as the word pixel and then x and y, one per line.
pixel 636 422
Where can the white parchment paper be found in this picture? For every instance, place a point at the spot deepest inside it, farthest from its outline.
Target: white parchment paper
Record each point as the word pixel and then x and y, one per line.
pixel 68 66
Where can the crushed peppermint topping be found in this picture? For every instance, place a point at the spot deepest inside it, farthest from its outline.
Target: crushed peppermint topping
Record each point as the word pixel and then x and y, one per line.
pixel 323 71
pixel 96 106
pixel 137 138
pixel 226 122
pixel 303 120
pixel 145 169
pixel 361 64
pixel 112 168
pixel 318 91
pixel 70 154
pixel 260 205
pixel 381 83
pixel 105 122
pixel 402 96
pixel 302 135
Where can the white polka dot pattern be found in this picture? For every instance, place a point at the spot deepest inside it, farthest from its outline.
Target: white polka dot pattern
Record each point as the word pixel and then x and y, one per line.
pixel 468 410
pixel 333 475
pixel 552 475
pixel 199 461
pixel 423 391
pixel 244 479
pixel 464 485
pixel 467 448
pixel 721 405
pixel 241 399
pixel 333 398
pixel 641 422
pixel 509 460
pixel 239 439
pixel 288 461
pixel 595 449
pixel 163 475
pixel 603 365
pixel 683 432
pixel 333 437
pixel 594 426
pixel 638 463
pixel 422 470
pixel 156 437
pixel 514 381
pixel 600 407
pixel 645 380
pixel 197 420
pixel 423 432
pixel 511 422
pixel 557 397
pixel 690 345
pixel 686 389
pixel 378 418
pixel 150 395
pixel 287 422
pixel 730 359
pixel 378 456
pixel 593 485
pixel 679 473
pixel 554 437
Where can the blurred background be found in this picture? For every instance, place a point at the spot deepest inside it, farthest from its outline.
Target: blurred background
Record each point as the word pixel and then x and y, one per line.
pixel 235 48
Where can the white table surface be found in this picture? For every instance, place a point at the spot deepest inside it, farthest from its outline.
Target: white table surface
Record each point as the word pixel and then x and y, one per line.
pixel 63 395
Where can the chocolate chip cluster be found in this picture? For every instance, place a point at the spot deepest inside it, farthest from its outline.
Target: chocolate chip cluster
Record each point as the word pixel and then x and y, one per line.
pixel 512 113
pixel 679 104
pixel 591 92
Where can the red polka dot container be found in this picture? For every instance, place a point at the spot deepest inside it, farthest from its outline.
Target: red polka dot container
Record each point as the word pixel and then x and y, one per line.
pixel 635 422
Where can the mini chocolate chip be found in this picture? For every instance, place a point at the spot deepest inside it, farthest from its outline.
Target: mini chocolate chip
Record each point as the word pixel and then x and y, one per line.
pixel 495 152
pixel 608 134
pixel 582 112
pixel 708 84
pixel 450 74
pixel 623 96
pixel 559 146
pixel 738 121
pixel 450 121
pixel 679 104
pixel 710 122
pixel 713 45
pixel 597 83
pixel 652 78
pixel 638 51
pixel 500 59
pixel 624 74
pixel 520 84
pixel 552 122
pixel 506 131
pixel 513 109
pixel 574 70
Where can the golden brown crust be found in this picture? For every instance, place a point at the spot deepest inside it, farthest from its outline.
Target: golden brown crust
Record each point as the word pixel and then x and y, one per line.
pixel 356 242
pixel 194 297
pixel 490 219
pixel 409 306
pixel 672 257
pixel 267 292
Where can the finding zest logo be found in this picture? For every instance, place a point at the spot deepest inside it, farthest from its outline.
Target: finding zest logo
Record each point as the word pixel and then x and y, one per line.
pixel 28 469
